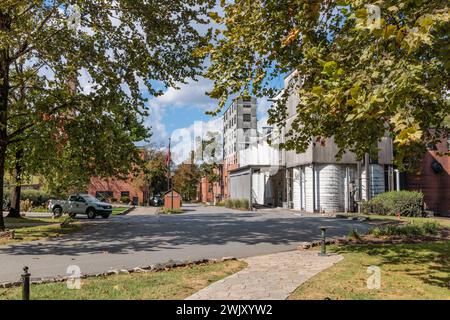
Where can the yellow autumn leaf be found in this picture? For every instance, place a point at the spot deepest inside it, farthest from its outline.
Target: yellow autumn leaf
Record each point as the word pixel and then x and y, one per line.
pixel 293 34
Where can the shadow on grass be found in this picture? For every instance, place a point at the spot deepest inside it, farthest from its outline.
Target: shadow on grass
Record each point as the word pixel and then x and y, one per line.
pixel 430 262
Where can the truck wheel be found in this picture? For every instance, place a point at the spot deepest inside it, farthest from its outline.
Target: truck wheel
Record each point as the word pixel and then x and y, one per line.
pixel 105 215
pixel 57 212
pixel 91 213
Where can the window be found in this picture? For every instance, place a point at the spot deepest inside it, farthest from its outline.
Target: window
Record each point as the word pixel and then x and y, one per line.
pixel 448 142
pixel 104 195
pixel 124 194
pixel 247 117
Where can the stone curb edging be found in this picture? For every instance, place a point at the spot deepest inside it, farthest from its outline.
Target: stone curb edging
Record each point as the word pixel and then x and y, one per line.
pixel 172 264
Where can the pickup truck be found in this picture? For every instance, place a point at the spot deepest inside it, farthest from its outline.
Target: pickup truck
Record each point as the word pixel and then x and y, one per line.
pixel 80 204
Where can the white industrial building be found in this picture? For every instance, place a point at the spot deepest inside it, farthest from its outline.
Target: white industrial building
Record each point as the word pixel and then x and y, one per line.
pixel 313 181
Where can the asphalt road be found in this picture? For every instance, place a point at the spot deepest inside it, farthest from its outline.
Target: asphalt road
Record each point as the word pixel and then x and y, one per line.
pixel 143 238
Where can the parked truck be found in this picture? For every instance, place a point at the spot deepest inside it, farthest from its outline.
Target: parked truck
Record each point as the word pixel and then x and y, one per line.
pixel 80 204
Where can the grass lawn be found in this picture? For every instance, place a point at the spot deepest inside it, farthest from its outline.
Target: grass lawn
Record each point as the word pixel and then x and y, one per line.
pixel 177 283
pixel 37 228
pixel 408 271
pixel 118 210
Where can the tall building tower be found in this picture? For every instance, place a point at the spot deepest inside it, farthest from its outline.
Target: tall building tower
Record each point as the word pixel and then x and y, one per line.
pixel 240 127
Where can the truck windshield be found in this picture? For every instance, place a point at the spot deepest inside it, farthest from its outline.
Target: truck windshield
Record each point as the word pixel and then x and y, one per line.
pixel 90 198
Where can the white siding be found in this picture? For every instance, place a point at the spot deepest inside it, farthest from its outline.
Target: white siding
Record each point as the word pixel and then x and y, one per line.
pixel 258 188
pixel 308 189
pixel 296 188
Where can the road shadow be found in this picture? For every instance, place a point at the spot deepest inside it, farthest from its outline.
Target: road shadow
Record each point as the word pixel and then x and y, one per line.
pixel 129 234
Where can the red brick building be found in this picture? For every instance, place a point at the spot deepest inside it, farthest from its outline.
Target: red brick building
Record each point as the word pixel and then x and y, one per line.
pixel 434 179
pixel 115 189
pixel 208 191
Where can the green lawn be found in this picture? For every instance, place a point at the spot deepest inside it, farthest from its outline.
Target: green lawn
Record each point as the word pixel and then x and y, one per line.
pixel 118 210
pixel 408 271
pixel 177 283
pixel 27 229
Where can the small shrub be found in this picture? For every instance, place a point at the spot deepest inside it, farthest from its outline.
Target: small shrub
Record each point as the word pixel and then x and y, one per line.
pixel 354 235
pixel 220 204
pixel 408 230
pixel 245 204
pixel 125 199
pixel 171 211
pixel 408 203
pixel 26 205
pixel 237 204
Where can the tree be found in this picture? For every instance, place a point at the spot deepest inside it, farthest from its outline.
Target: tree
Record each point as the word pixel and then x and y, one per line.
pixel 210 171
pixel 119 46
pixel 154 171
pixel 360 75
pixel 186 180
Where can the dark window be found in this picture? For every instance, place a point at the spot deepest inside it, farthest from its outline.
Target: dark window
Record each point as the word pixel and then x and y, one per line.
pixel 124 193
pixel 104 195
pixel 247 117
pixel 432 146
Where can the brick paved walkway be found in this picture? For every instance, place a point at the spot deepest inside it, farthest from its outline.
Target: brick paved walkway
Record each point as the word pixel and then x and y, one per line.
pixel 269 277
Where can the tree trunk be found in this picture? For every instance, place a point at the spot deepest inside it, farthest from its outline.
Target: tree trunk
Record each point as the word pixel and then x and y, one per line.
pixel 5 26
pixel 2 176
pixel 14 211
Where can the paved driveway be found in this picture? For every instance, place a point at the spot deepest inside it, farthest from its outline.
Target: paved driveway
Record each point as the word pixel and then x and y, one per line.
pixel 143 238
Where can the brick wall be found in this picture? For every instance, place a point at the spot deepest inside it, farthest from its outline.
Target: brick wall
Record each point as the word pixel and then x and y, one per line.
pixel 435 186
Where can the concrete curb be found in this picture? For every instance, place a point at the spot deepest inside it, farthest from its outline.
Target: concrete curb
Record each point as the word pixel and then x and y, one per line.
pixel 171 264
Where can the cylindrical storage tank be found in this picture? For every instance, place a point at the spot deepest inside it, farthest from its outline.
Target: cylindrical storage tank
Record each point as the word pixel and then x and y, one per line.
pixel 330 187
pixel 377 184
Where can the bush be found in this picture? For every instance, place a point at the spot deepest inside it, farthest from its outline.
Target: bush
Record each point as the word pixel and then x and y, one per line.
pixel 410 229
pixel 125 199
pixel 236 203
pixel 26 205
pixel 408 203
pixel 38 197
pixel 220 204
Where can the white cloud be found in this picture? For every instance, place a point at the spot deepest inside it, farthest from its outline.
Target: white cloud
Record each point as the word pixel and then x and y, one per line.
pixel 191 94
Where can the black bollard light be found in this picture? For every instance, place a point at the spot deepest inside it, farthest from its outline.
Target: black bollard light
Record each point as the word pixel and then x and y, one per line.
pixel 25 284
pixel 323 251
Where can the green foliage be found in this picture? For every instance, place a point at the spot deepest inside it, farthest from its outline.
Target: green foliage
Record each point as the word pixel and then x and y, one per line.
pixel 171 211
pixel 354 234
pixel 410 229
pixel 407 203
pixel 125 199
pixel 357 78
pixel 26 205
pixel 38 197
pixel 236 203
pixel 186 180
pixel 72 96
pixel 154 171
